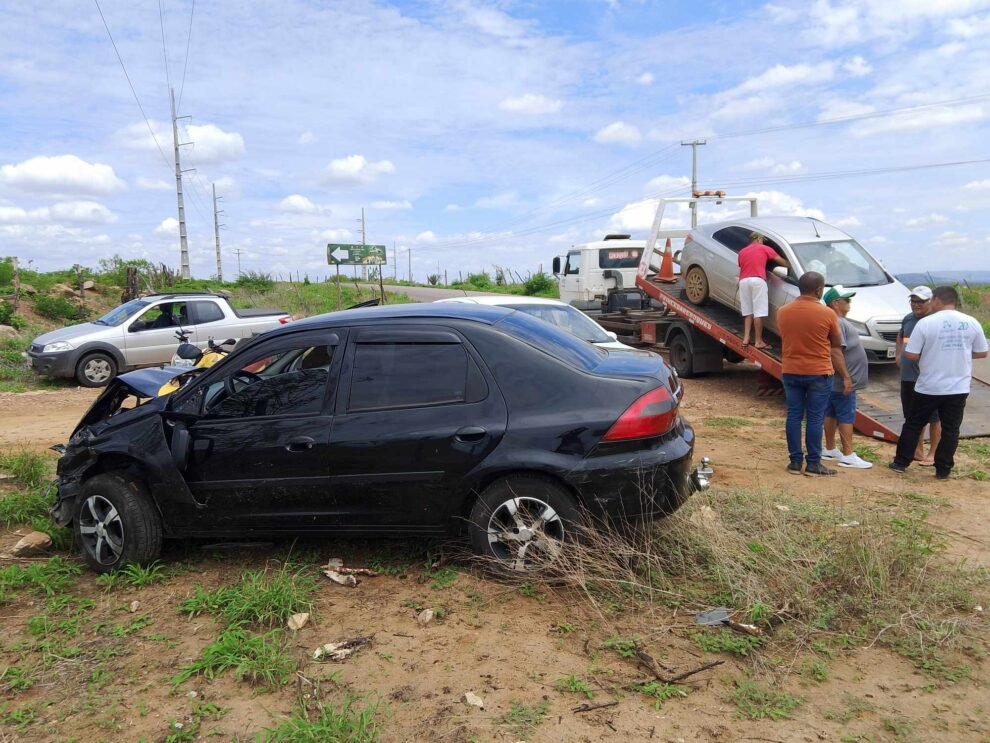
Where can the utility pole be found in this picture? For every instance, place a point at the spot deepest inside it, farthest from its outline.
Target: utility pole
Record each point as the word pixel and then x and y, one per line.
pixel 395 262
pixel 216 231
pixel 409 253
pixel 238 252
pixel 183 244
pixel 693 144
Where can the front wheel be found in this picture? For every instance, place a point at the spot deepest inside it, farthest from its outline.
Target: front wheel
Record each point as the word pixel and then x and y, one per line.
pixel 95 370
pixel 520 523
pixel 116 523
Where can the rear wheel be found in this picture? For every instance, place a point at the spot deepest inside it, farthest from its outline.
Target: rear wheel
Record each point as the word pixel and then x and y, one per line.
pixel 696 285
pixel 115 523
pixel 680 356
pixel 95 369
pixel 520 523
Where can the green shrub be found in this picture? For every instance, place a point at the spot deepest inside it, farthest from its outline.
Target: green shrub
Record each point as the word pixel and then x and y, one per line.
pixel 538 283
pixel 55 308
pixel 480 280
pixel 256 280
pixel 6 271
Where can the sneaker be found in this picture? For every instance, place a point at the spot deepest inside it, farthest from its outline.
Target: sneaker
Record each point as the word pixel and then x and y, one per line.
pixel 794 468
pixel 900 469
pixel 818 469
pixel 831 453
pixel 941 476
pixel 853 461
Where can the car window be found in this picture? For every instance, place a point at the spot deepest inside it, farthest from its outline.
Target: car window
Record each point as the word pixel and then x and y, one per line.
pixel 289 381
pixel 118 315
pixel 734 238
pixel 164 315
pixel 619 257
pixel 401 375
pixel 573 263
pixel 552 340
pixel 203 312
pixel 566 318
pixel 840 262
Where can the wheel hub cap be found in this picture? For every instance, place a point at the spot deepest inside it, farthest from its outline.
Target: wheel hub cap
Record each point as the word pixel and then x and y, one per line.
pixel 101 530
pixel 525 533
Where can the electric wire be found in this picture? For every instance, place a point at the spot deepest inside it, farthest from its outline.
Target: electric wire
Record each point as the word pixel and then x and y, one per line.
pixel 185 63
pixel 161 20
pixel 137 100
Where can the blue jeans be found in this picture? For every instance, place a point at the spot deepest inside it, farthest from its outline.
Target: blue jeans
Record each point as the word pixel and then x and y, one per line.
pixel 806 395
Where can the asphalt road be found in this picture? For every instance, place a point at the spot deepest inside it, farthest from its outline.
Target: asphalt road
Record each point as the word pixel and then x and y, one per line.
pixel 424 293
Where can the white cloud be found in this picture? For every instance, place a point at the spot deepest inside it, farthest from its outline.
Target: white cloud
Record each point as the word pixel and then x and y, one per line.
pixel 497 201
pixel 782 76
pixel 619 132
pixel 61 174
pixel 918 121
pixel 953 239
pixel 452 208
pixel 356 170
pixel 645 79
pixel 969 28
pixel 978 185
pixel 391 204
pixel 591 203
pixel 168 227
pixel 760 164
pixel 87 212
pixel 17 215
pixel 154 184
pixel 531 104
pixel 226 186
pixel 927 220
pixel 847 223
pixel 839 109
pixel 334 235
pixel 307 138
pixel 213 144
pixel 426 236
pixel 791 168
pixel 665 183
pixel 297 204
pixel 857 67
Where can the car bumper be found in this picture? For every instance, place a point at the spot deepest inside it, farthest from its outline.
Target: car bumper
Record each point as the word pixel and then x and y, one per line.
pixel 62 364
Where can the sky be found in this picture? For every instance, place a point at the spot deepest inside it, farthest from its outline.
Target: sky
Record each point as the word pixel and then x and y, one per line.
pixel 476 134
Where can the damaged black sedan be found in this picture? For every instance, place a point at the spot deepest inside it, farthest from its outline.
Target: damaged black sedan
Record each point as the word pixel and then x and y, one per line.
pixel 412 420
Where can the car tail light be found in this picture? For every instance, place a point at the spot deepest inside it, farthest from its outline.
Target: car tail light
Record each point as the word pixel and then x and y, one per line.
pixel 653 414
pixel 284 320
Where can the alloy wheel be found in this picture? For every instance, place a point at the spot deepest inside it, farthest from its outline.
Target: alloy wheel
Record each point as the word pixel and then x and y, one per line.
pixel 525 533
pixel 101 530
pixel 696 285
pixel 97 371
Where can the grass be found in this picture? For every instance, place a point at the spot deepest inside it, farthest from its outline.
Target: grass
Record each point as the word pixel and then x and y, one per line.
pixel 258 659
pixel 353 721
pixel 573 685
pixel 661 692
pixel 441 578
pixel 144 575
pixel 260 598
pixel 31 469
pixel 867 453
pixel 726 641
pixel 54 576
pixel 23 507
pixel 758 702
pixel 727 422
pixel 522 720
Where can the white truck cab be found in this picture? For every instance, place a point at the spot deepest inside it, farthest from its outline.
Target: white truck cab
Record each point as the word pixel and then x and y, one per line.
pixel 589 272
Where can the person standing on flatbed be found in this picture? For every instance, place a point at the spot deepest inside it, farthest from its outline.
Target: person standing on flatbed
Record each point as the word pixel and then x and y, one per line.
pixel 754 297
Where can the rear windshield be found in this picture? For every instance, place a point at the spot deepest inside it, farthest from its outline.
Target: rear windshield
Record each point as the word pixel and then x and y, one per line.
pixel 558 343
pixel 619 257
pixel 117 316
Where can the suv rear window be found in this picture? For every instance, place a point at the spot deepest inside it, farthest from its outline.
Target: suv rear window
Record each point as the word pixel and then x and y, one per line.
pixel 552 340
pixel 619 257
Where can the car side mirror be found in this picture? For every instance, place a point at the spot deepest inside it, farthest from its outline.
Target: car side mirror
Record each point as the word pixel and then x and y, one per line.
pixel 556 266
pixel 612 335
pixel 780 271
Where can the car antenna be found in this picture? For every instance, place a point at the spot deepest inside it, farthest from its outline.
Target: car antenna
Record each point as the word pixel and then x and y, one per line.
pixel 814 223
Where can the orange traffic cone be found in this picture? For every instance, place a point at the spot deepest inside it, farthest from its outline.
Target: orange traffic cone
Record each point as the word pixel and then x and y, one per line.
pixel 666 274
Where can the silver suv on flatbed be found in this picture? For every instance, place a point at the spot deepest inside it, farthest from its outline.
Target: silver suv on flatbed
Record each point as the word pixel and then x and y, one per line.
pixel 142 333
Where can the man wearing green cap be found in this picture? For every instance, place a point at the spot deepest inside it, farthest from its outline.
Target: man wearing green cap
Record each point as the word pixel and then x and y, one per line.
pixel 840 412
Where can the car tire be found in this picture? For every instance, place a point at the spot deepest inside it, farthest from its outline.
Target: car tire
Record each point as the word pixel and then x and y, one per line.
pixel 519 523
pixel 696 285
pixel 679 352
pixel 116 523
pixel 96 369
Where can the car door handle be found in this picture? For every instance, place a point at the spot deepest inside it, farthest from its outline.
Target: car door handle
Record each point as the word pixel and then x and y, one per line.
pixel 300 443
pixel 470 433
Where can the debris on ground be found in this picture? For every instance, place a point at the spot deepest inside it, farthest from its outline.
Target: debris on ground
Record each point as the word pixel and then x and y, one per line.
pixel 722 617
pixel 850 524
pixel 345 576
pixel 298 621
pixel 34 543
pixel 474 700
pixel 425 617
pixel 134 606
pixel 705 518
pixel 344 580
pixel 588 707
pixel 340 651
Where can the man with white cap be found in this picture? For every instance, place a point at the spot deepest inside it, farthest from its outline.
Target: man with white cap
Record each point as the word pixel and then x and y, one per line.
pixel 921 306
pixel 840 412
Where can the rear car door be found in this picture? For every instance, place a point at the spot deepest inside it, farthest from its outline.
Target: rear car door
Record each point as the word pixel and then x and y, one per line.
pixel 417 411
pixel 725 264
pixel 205 321
pixel 258 457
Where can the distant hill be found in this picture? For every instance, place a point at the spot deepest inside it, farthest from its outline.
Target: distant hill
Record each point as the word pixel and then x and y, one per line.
pixel 973 278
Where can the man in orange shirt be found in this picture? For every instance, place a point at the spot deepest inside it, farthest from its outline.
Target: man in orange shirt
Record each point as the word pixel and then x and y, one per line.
pixel 812 353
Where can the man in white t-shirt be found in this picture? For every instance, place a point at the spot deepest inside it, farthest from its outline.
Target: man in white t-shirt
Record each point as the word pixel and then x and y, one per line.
pixel 944 344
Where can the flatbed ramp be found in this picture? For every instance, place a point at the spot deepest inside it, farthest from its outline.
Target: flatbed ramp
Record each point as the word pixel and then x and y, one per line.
pixel 879 406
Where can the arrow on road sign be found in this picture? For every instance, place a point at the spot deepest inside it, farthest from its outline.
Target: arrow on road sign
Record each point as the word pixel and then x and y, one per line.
pixel 340 254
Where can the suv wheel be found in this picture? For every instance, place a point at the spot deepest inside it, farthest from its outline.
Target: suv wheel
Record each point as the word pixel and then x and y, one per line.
pixel 115 523
pixel 521 522
pixel 696 285
pixel 95 370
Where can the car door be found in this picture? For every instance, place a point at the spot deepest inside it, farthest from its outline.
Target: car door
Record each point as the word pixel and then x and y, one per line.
pixel 724 283
pixel 258 456
pixel 417 411
pixel 150 338
pixel 573 283
pixel 205 322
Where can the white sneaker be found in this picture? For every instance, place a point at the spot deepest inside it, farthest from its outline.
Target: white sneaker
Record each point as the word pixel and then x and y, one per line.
pixel 853 461
pixel 831 453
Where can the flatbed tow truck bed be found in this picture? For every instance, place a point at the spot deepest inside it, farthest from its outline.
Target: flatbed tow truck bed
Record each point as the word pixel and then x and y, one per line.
pixel 879 406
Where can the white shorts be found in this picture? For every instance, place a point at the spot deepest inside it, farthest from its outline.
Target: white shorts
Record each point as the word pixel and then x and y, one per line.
pixel 753 297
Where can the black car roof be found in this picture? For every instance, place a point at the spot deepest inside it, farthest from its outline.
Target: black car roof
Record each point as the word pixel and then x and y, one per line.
pixel 447 310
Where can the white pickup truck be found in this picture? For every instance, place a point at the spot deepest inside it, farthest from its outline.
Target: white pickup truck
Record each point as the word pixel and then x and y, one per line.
pixel 142 333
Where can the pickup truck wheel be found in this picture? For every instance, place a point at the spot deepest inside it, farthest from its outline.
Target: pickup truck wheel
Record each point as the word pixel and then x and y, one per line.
pixel 680 356
pixel 520 523
pixel 116 524
pixel 95 369
pixel 696 285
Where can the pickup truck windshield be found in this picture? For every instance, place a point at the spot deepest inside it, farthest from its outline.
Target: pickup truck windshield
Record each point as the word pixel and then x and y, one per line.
pixel 842 262
pixel 116 316
pixel 566 318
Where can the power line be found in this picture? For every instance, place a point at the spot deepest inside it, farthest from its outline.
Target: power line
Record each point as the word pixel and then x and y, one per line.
pixel 186 62
pixel 161 20
pixel 137 100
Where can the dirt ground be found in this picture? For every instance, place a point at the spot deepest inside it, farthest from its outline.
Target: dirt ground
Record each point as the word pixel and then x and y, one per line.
pixel 502 643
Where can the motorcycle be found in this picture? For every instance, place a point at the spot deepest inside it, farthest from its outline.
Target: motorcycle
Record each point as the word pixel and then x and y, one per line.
pixel 192 357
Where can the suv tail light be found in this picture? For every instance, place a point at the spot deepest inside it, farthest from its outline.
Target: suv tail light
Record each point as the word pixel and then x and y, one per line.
pixel 653 414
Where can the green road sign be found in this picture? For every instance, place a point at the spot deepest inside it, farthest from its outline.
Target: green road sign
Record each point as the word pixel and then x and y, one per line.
pixel 356 255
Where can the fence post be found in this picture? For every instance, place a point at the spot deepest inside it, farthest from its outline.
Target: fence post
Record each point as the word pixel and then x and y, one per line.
pixel 17 282
pixel 82 292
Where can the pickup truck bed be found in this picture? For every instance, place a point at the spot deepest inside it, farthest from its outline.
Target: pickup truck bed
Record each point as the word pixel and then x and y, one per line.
pixel 256 312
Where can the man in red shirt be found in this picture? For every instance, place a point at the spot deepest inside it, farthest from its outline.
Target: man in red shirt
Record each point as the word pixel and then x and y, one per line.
pixel 754 298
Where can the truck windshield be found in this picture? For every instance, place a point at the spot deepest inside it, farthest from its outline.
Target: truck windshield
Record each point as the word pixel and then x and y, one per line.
pixel 566 318
pixel 116 316
pixel 843 262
